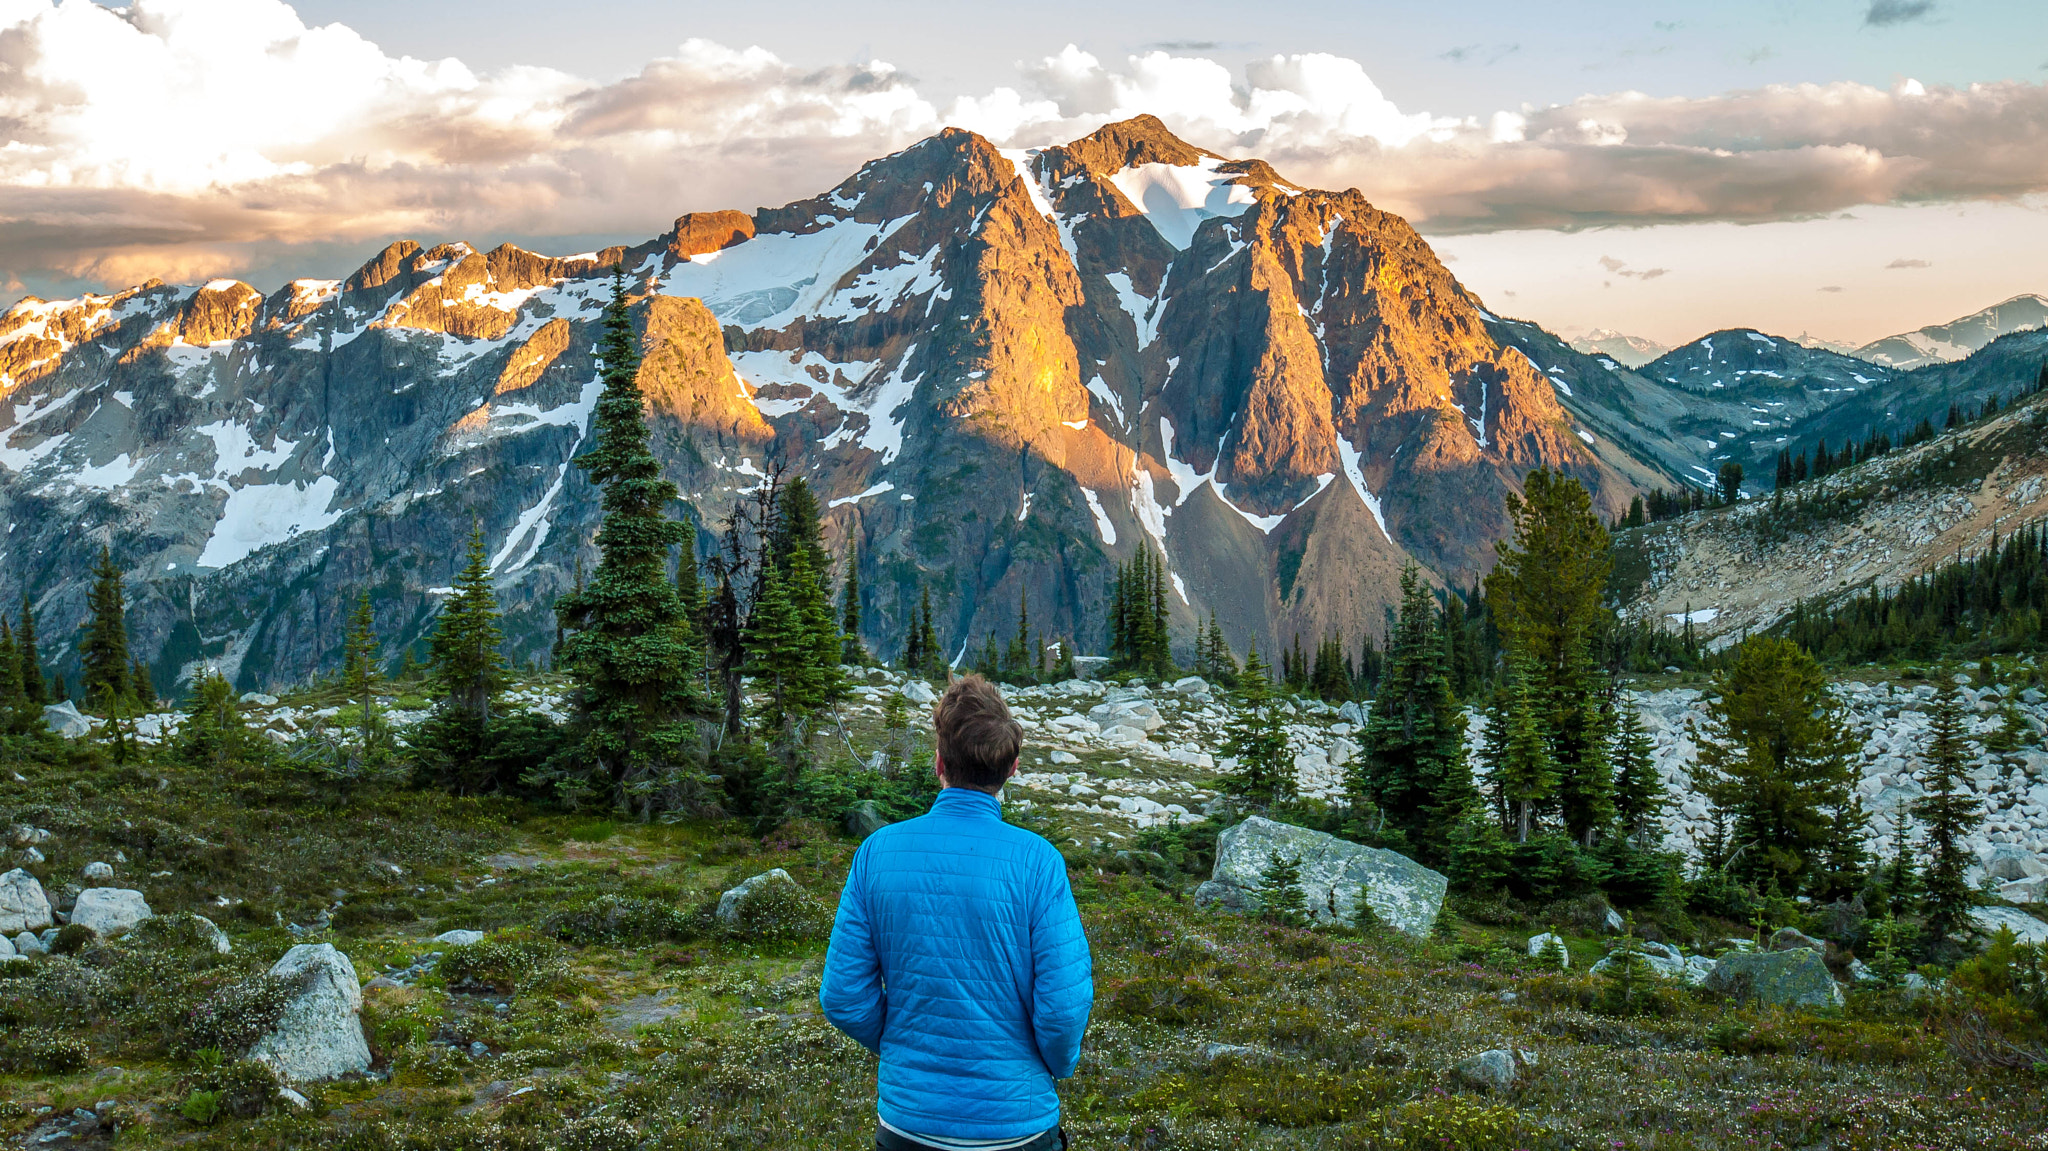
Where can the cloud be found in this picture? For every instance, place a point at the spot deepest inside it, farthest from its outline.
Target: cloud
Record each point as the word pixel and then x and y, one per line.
pixel 1884 13
pixel 1620 268
pixel 204 137
pixel 1902 262
pixel 1832 288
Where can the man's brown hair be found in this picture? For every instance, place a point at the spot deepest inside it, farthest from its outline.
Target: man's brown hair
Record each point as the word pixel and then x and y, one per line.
pixel 978 741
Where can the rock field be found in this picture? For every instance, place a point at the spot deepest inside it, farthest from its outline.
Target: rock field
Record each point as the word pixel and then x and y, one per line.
pixel 1105 761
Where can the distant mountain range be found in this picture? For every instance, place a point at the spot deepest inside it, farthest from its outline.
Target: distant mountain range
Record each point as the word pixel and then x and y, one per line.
pixel 1933 344
pixel 1004 372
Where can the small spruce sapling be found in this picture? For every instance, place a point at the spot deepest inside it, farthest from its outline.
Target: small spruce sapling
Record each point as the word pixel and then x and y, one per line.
pixel 1280 896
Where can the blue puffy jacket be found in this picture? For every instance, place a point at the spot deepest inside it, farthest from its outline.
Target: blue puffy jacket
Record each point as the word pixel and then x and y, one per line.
pixel 958 956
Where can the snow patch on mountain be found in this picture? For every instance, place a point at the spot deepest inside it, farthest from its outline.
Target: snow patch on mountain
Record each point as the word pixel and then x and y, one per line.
pixel 259 515
pixel 1176 198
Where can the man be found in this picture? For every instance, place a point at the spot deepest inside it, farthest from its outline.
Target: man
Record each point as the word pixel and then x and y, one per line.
pixel 958 957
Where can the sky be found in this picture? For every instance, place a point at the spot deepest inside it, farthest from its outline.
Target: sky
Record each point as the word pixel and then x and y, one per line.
pixel 1843 169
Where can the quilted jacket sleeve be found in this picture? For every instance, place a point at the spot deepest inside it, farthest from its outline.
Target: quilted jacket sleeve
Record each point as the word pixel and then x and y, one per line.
pixel 1062 974
pixel 851 991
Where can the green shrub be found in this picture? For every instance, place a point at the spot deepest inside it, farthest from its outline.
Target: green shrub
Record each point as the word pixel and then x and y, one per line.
pixel 504 966
pixel 202 1107
pixel 40 1050
pixel 625 919
pixel 237 1015
pixel 73 938
pixel 782 911
pixel 1436 1124
pixel 1267 1093
pixel 1179 1000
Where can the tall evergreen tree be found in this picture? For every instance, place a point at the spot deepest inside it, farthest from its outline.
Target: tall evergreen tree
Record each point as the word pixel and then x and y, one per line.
pixel 1257 738
pixel 12 701
pixel 468 668
pixel 33 687
pixel 139 684
pixel 1949 811
pixel 1775 759
pixel 851 650
pixel 629 651
pixel 1526 775
pixel 359 656
pixel 913 659
pixel 103 652
pixel 1545 597
pixel 1412 766
pixel 1639 796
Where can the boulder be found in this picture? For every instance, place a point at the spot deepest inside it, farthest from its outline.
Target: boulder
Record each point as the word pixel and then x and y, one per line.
pixel 1489 1070
pixel 1537 944
pixel 1404 894
pixel 864 819
pixel 918 691
pixel 7 948
pixel 320 1034
pixel 215 937
pixel 96 872
pixel 1987 920
pixel 1795 978
pixel 1191 685
pixel 1791 938
pixel 27 943
pixel 1063 758
pixel 65 719
pixel 109 911
pixel 23 906
pixel 733 905
pixel 2025 890
pixel 260 699
pixel 1665 963
pixel 1351 713
pixel 460 937
pixel 2009 861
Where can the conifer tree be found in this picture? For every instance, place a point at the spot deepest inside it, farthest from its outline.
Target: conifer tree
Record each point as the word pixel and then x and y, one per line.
pixel 1639 796
pixel 1774 759
pixel 1545 596
pixel 1527 777
pixel 1412 766
pixel 851 650
pixel 12 701
pixel 1257 738
pixel 1280 898
pixel 103 652
pixel 359 666
pixel 913 659
pixel 467 665
pixel 33 687
pixel 213 734
pixel 630 648
pixel 1948 811
pixel 777 655
pixel 139 683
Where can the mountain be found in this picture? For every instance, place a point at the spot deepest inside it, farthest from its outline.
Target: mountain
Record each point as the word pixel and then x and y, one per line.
pixel 1631 351
pixel 1878 523
pixel 1002 371
pixel 1742 396
pixel 1941 343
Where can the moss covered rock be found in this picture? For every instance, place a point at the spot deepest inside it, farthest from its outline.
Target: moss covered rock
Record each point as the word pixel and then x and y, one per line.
pixel 1796 978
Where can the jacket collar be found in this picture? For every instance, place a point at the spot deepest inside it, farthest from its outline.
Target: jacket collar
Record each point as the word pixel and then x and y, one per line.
pixel 968 802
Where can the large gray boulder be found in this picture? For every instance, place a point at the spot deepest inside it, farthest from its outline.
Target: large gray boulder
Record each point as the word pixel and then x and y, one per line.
pixel 320 1034
pixel 23 906
pixel 1795 978
pixel 1489 1070
pixel 2027 929
pixel 2010 861
pixel 66 720
pixel 109 911
pixel 1404 894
